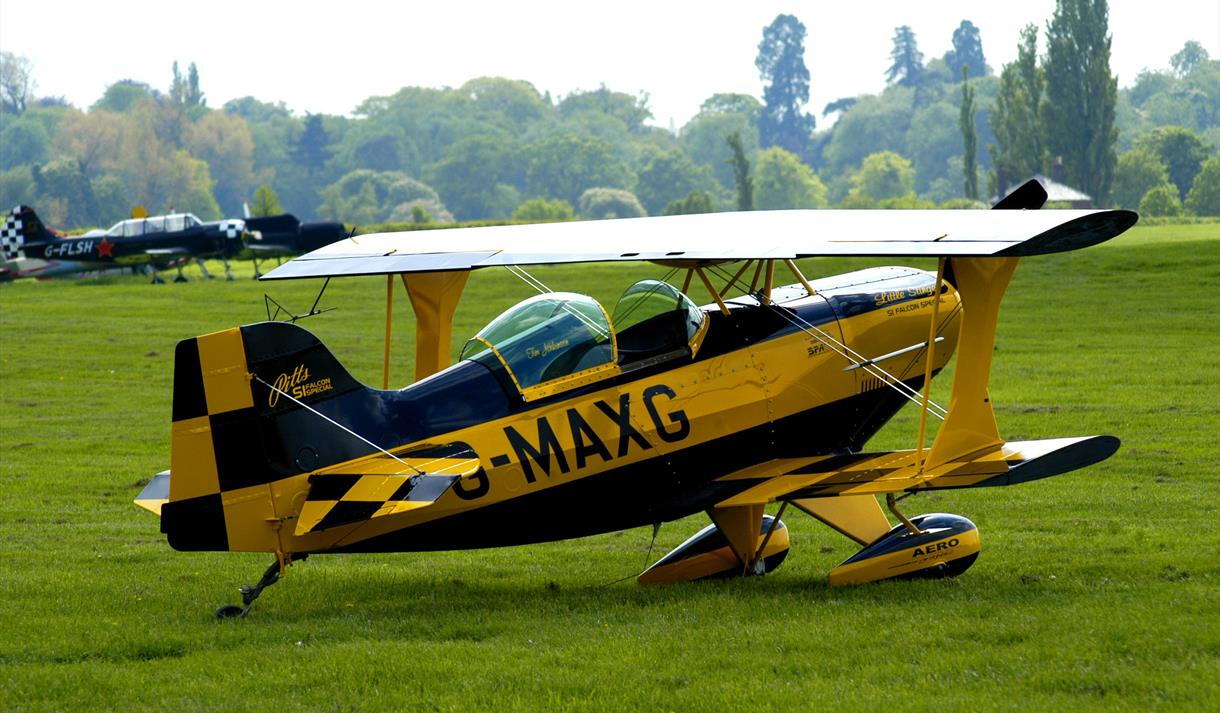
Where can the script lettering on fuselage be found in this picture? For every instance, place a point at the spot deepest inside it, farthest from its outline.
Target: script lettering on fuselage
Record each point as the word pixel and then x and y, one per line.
pixel 69 248
pixel 608 437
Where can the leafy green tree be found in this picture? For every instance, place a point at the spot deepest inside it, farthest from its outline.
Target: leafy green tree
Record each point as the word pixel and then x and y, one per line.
pixel 16 83
pixel 781 181
pixel 194 95
pixel 541 210
pixel 17 186
pixel 876 123
pixel 419 211
pixel 1187 58
pixel 1078 115
pixel 124 95
pixel 189 188
pixel 477 177
pixel 1139 171
pixel 963 204
pixel 731 104
pixel 967 51
pixel 564 165
pixel 741 172
pixel 666 176
pixel 781 63
pixel 63 182
pixel 184 91
pixel 1161 201
pixel 224 141
pixel 255 111
pixel 1180 149
pixel 632 111
pixel 721 115
pixel 600 203
pixel 509 103
pixel 696 202
pixel 113 199
pixel 934 145
pixel 1204 196
pixel 23 142
pixel 969 138
pixel 312 149
pixel 266 202
pixel 363 196
pixel 884 175
pixel 907 66
pixel 1015 118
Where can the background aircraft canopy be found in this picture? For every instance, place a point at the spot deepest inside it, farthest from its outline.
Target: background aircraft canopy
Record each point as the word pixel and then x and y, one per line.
pixel 135 227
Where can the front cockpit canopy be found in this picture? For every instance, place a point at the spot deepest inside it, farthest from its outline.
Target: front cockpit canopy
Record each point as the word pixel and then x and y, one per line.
pixel 548 337
pixel 558 341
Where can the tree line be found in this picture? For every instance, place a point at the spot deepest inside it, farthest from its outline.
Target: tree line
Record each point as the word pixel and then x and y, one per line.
pixel 945 131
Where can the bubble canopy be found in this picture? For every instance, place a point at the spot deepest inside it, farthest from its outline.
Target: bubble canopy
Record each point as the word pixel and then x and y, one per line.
pixel 556 341
pixel 548 337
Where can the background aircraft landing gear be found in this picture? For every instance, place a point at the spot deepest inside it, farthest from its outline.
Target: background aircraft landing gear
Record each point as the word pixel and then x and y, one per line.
pixel 228 270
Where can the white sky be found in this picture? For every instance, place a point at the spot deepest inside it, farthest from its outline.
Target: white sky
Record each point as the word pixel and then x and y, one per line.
pixel 329 56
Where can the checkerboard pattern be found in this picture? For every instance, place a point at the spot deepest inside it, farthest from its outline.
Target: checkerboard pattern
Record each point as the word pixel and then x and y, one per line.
pixel 12 238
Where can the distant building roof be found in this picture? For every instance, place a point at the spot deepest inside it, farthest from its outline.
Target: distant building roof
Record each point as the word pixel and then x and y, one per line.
pixel 1055 191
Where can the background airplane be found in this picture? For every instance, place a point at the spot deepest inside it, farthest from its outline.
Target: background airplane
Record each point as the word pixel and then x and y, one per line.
pixel 284 236
pixel 30 249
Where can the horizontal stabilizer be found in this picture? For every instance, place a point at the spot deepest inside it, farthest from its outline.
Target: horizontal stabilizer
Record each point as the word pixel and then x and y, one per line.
pixel 899 471
pixel 155 494
pixel 382 485
pixel 336 500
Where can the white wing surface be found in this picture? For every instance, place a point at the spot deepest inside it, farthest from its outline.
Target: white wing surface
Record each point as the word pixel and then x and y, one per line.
pixel 787 234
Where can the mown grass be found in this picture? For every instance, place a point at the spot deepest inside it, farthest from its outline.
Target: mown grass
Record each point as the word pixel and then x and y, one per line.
pixel 1098 589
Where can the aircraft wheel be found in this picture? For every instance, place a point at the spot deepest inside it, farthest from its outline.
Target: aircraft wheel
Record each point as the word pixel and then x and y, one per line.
pixel 229 611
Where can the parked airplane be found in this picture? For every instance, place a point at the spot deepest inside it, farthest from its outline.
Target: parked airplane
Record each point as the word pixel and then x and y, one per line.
pixel 563 419
pixel 30 249
pixel 285 236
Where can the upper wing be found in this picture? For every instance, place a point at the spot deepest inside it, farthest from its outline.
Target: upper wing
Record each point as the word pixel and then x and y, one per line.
pixel 786 234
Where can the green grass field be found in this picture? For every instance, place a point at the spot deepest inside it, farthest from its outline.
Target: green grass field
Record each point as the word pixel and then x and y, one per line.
pixel 1097 589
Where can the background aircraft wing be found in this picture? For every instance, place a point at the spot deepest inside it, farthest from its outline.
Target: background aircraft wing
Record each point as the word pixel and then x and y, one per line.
pixel 167 252
pixel 787 234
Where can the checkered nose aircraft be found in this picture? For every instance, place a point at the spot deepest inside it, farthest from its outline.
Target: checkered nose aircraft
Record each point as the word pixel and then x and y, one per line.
pixel 30 249
pixel 564 417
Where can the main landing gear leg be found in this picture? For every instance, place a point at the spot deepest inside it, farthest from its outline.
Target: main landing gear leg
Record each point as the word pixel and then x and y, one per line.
pixel 251 592
pixel 257 273
pixel 202 268
pixel 228 269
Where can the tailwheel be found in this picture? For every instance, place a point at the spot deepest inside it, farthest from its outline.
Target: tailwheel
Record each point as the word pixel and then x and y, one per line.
pixel 251 592
pixel 931 546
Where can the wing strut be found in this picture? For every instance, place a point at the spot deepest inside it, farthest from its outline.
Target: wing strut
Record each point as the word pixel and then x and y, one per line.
pixel 927 371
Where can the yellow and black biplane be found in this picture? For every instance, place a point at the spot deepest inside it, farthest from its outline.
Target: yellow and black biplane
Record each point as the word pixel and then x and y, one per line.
pixel 562 418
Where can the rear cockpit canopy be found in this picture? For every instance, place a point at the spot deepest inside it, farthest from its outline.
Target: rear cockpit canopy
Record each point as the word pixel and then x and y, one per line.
pixel 653 318
pixel 557 341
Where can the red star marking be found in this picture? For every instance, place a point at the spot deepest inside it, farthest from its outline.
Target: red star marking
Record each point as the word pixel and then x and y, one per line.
pixel 104 248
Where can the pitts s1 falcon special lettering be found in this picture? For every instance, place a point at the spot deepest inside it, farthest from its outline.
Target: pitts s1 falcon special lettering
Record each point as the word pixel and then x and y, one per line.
pixel 562 418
